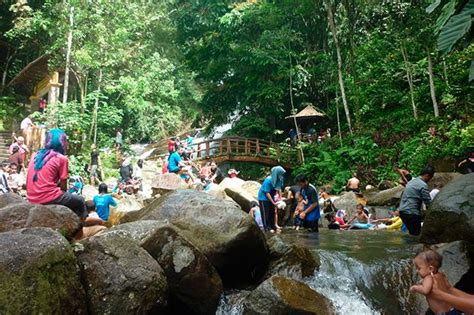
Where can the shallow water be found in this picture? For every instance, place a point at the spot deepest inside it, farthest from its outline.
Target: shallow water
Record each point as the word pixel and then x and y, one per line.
pixel 362 272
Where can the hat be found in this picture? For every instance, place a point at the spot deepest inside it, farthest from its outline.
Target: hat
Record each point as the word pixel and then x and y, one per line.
pixel 233 171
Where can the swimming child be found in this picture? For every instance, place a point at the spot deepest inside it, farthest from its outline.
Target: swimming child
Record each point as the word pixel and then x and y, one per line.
pixel 427 266
pixel 299 209
pixel 361 220
pixel 256 214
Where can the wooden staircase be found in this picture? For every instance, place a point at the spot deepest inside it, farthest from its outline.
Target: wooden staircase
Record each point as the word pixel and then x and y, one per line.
pixel 5 141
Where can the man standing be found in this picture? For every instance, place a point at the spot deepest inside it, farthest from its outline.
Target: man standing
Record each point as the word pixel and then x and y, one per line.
pixel 416 193
pixel 119 139
pixel 25 125
pixel 94 164
pixel 311 213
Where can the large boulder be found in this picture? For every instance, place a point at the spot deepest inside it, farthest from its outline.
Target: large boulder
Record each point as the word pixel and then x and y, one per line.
pixel 226 235
pixel 194 284
pixel 450 216
pixel 20 215
pixel 252 188
pixel 129 203
pixel 163 183
pixel 241 197
pixel 9 198
pixel 347 201
pixel 456 259
pixel 89 191
pixel 441 179
pixel 388 197
pixel 217 192
pixel 386 184
pixel 290 260
pixel 279 296
pixel 231 182
pixel 120 277
pixel 39 274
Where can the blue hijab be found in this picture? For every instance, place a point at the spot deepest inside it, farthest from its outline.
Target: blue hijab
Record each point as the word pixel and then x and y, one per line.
pixel 277 175
pixel 56 143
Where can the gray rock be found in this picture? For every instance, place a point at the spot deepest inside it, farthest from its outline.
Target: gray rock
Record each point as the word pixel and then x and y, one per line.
pixel 386 184
pixel 226 235
pixel 441 179
pixel 39 274
pixel 347 201
pixel 252 188
pixel 456 259
pixel 450 216
pixel 9 198
pixel 164 183
pixel 120 277
pixel 290 260
pixel 24 215
pixel 241 197
pixel 279 296
pixel 388 197
pixel 194 284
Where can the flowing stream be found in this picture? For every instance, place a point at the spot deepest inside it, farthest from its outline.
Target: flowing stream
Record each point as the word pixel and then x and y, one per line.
pixel 362 272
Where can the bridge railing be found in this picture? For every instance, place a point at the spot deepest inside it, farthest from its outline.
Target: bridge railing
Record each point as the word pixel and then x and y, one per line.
pixel 251 147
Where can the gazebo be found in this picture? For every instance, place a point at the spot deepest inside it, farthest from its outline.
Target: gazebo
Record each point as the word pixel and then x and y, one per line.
pixel 305 117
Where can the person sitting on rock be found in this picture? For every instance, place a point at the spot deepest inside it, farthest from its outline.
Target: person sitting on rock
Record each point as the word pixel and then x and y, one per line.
pixel 47 168
pixel 255 213
pixel 353 184
pixel 15 180
pixel 360 219
pixel 405 176
pixel 469 163
pixel 92 218
pixel 103 202
pixel 177 166
pixel 4 172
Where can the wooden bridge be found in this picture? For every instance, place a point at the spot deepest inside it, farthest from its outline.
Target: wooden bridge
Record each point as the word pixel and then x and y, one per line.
pixel 253 150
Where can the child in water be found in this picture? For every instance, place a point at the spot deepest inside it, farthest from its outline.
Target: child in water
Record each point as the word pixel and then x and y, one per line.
pixel 360 216
pixel 299 209
pixel 256 214
pixel 427 266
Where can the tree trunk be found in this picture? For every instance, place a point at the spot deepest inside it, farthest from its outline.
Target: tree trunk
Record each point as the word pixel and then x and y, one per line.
pixel 445 73
pixel 409 79
pixel 68 55
pixel 338 120
pixel 5 69
pixel 332 27
pixel 96 106
pixel 293 107
pixel 432 85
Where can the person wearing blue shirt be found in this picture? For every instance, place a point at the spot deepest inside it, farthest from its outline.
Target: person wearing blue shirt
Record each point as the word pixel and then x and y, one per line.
pixel 267 205
pixel 177 166
pixel 103 202
pixel 311 213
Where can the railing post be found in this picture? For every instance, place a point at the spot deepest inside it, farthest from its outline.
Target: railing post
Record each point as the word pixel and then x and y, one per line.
pixel 246 148
pixel 207 149
pixel 198 151
pixel 229 147
pixel 257 147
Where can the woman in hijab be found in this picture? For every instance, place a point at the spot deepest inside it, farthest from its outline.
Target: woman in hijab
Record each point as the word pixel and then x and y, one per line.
pixel 266 194
pixel 47 175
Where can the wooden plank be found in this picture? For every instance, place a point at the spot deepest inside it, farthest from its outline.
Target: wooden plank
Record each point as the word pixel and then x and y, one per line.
pixel 208 149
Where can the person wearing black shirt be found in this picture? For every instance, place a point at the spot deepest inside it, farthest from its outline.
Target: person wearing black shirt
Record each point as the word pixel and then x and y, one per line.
pixel 94 164
pixel 217 175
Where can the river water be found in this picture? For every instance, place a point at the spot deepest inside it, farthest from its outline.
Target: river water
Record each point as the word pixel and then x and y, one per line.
pixel 362 272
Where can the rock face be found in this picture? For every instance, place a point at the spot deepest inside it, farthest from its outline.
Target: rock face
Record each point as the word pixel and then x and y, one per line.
pixel 8 198
pixel 450 216
pixel 290 260
pixel 38 274
pixel 119 276
pixel 279 295
pixel 194 284
pixel 441 179
pixel 228 237
pixel 252 188
pixel 231 182
pixel 388 197
pixel 386 184
pixel 167 182
pixel 19 215
pixel 456 259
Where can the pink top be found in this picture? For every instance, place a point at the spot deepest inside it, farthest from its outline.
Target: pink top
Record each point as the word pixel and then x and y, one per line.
pixel 46 188
pixel 340 220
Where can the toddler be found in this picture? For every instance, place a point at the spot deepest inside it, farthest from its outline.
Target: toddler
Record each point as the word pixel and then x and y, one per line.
pixel 427 266
pixel 256 214
pixel 299 209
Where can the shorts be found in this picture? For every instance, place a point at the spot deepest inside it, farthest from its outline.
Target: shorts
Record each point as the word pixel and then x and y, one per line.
pixel 311 225
pixel 74 202
pixel 412 222
pixel 176 170
pixel 93 172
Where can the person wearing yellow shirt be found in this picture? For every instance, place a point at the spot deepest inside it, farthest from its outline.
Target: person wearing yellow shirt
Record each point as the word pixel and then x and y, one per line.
pixel 394 223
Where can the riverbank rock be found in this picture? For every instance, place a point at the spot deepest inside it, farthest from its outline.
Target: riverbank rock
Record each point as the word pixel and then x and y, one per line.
pixel 119 276
pixel 26 215
pixel 231 182
pixel 38 274
pixel 227 236
pixel 347 201
pixel 252 188
pixel 167 182
pixel 290 260
pixel 279 295
pixel 217 192
pixel 9 198
pixel 241 197
pixel 450 216
pixel 194 284
pixel 441 179
pixel 456 259
pixel 388 197
pixel 386 184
